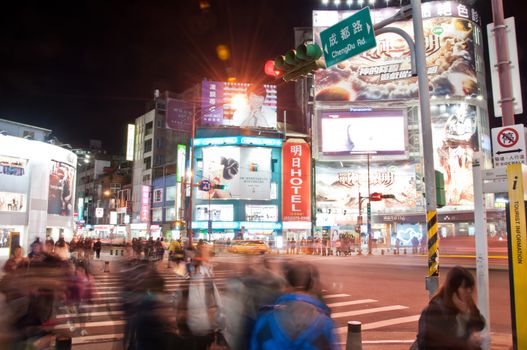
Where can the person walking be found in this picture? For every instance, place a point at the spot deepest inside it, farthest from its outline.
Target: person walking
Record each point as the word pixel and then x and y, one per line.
pixel 97 246
pixel 452 320
pixel 298 319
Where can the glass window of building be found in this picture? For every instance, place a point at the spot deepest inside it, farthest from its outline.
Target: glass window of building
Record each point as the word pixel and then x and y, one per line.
pixel 170 214
pixel 147 163
pixel 148 145
pixel 158 195
pixel 149 128
pixel 171 193
pixel 157 214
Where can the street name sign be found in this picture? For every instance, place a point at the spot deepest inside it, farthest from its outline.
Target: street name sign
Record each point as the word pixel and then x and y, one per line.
pixel 508 145
pixel 348 38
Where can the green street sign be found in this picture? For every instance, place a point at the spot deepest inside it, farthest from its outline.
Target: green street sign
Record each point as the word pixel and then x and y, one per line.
pixel 348 38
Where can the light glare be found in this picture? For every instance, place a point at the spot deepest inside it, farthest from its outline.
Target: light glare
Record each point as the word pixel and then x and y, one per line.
pixel 239 101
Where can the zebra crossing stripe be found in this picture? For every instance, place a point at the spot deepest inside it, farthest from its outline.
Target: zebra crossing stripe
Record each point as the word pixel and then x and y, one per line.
pixel 367 311
pixel 353 302
pixel 380 324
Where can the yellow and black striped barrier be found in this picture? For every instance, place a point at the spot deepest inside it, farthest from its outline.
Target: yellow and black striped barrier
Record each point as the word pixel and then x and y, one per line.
pixel 433 243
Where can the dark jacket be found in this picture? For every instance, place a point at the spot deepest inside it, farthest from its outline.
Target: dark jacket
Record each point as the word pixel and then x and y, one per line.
pixel 296 321
pixel 438 328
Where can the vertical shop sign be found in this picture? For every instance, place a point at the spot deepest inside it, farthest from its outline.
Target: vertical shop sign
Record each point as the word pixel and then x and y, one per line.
pixel 145 204
pixel 296 165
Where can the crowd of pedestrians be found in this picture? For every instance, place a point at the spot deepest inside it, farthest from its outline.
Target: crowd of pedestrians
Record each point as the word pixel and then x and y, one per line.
pixel 35 287
pixel 267 305
pixel 343 246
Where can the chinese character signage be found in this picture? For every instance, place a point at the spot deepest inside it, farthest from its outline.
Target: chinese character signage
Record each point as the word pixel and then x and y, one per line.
pixel 145 204
pixel 453 46
pixel 238 105
pixel 179 115
pixel 296 181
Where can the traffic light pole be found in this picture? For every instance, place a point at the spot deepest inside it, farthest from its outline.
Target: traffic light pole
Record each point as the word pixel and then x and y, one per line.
pixel 432 279
pixel 368 210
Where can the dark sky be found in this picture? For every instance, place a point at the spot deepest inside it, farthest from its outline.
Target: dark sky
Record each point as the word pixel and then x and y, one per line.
pixel 86 68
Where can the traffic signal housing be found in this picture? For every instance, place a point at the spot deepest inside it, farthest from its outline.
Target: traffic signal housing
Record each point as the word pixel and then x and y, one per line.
pixel 375 196
pixel 298 63
pixel 440 189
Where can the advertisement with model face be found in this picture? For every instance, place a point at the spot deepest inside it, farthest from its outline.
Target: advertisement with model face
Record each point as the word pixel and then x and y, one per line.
pixel 452 37
pixel 60 195
pixel 455 141
pixel 245 172
pixel 239 105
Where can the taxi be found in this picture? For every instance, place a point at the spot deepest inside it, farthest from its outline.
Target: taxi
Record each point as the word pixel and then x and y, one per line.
pixel 248 247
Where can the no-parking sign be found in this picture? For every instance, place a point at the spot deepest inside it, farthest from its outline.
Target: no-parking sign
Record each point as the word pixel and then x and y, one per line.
pixel 508 145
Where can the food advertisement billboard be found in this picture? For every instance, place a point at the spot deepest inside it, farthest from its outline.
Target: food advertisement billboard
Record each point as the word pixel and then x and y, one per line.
pixel 453 49
pixel 244 172
pixel 239 105
pixel 60 195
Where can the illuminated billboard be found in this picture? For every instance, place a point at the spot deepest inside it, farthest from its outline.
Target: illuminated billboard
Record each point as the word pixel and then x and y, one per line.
pixel 130 140
pixel 215 212
pixel 455 141
pixel 60 195
pixel 12 166
pixel 296 181
pixel 261 213
pixel 238 105
pixel 245 172
pixel 179 115
pixel 13 202
pixel 363 130
pixel 452 37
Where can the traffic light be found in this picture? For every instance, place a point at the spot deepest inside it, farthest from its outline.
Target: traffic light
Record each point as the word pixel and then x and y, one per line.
pixel 375 196
pixel 440 189
pixel 270 70
pixel 300 62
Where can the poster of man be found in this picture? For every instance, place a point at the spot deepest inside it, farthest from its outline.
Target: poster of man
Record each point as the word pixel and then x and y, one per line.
pixel 60 195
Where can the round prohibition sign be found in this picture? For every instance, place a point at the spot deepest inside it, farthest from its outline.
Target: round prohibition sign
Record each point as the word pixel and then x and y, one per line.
pixel 508 137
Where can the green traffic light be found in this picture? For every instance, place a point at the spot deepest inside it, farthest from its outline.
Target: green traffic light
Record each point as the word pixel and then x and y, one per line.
pixel 298 63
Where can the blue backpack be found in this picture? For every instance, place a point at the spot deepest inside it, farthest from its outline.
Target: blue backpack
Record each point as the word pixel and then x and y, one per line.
pixel 319 335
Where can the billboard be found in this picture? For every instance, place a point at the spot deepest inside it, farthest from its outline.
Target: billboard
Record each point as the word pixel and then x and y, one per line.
pixel 238 105
pixel 296 180
pixel 244 171
pixel 13 202
pixel 363 130
pixel 217 212
pixel 261 213
pixel 130 141
pixel 60 194
pixel 338 188
pixel 452 39
pixel 12 166
pixel 455 141
pixel 179 115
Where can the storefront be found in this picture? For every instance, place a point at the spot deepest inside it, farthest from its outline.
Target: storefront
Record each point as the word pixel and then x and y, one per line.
pixel 37 186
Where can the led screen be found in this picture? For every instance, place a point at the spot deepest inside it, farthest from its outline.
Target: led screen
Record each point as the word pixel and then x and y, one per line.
pixel 362 131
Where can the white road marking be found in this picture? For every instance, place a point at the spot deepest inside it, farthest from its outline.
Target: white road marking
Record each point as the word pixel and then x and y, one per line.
pixel 379 324
pixel 352 302
pixel 367 311
pixel 335 296
pixel 91 324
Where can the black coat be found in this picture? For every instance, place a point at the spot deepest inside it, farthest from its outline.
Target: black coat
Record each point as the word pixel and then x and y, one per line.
pixel 438 328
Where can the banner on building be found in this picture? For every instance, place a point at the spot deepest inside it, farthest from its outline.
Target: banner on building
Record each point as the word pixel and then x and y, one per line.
pixel 145 204
pixel 239 105
pixel 179 115
pixel 60 195
pixel 453 46
pixel 296 181
pixel 244 172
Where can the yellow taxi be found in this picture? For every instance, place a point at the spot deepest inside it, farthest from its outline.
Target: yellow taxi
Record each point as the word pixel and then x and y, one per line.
pixel 248 247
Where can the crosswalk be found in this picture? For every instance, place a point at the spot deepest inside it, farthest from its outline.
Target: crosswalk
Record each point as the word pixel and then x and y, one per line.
pixel 104 319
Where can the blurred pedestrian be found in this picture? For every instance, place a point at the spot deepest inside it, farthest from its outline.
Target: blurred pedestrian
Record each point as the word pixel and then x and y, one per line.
pixel 415 244
pixel 298 319
pixel 97 246
pixel 16 260
pixel 452 320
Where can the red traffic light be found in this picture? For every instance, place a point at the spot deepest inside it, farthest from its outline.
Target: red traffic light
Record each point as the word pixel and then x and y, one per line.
pixel 270 69
pixel 375 196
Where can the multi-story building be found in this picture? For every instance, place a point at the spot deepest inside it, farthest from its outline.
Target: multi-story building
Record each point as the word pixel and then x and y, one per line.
pixel 12 128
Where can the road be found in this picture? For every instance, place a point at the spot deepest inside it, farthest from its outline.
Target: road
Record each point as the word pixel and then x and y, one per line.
pixel 385 293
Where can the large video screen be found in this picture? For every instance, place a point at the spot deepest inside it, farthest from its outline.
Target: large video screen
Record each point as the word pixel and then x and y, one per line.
pixel 239 105
pixel 363 130
pixel 244 172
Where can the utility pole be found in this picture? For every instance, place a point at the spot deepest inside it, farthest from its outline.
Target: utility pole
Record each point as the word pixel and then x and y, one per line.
pixel 503 63
pixel 432 278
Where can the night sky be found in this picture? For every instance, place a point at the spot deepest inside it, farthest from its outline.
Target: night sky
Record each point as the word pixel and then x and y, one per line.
pixel 86 68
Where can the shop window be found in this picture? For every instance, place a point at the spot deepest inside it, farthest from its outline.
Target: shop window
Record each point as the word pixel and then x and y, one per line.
pixel 158 195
